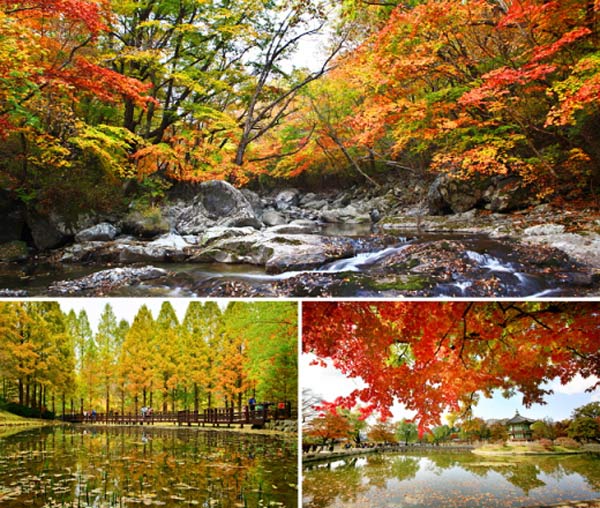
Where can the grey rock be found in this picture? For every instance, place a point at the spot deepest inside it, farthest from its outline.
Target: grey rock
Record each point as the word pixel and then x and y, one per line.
pixel 13 293
pixel 254 200
pixel 294 229
pixel 316 204
pixel 508 194
pixel 100 232
pixel 306 198
pixel 105 280
pixel 347 215
pixel 223 232
pixel 217 204
pixel 342 200
pixel 287 198
pixel 275 251
pixel 582 248
pixel 450 194
pixel 544 229
pixel 45 232
pixel 273 218
pixel 146 223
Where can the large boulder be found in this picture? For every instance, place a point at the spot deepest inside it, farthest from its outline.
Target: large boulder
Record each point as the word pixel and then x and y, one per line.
pixel 277 252
pixel 508 194
pixel 106 280
pixel 217 203
pixel 167 248
pixel 452 194
pixel 449 194
pixel 146 223
pixel 348 215
pixel 254 200
pixel 46 231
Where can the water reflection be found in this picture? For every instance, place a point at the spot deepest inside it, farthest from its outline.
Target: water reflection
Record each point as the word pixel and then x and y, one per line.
pixel 450 479
pixel 121 467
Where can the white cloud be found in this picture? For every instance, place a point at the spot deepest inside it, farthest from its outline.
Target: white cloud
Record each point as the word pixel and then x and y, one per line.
pixel 326 382
pixel 578 384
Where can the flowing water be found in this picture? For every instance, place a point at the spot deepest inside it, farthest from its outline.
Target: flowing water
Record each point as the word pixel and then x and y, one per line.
pixel 489 262
pixel 458 480
pixel 121 467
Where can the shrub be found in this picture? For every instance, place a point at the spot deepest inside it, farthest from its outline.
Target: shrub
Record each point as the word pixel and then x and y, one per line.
pixel 28 412
pixel 567 442
pixel 546 444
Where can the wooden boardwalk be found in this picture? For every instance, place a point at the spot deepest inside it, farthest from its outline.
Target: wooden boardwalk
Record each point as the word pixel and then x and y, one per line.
pixel 214 416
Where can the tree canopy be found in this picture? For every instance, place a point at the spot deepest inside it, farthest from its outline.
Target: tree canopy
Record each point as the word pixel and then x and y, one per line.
pixel 97 92
pixel 438 356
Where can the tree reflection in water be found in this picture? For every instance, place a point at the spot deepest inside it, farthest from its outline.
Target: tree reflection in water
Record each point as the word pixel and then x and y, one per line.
pixel 109 467
pixel 460 479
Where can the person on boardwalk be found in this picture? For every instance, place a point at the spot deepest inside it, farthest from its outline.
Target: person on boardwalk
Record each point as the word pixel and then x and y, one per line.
pixel 252 403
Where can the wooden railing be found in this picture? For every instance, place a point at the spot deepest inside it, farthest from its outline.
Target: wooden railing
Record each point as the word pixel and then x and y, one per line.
pixel 256 416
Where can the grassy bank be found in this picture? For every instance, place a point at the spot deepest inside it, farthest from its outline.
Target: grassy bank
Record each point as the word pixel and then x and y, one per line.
pixel 11 423
pixel 526 449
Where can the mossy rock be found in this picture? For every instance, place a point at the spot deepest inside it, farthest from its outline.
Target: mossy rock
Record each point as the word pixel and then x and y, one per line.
pixel 401 283
pixel 146 223
pixel 13 251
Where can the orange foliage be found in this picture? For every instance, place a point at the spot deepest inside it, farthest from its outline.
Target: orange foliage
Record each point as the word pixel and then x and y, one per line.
pixel 438 356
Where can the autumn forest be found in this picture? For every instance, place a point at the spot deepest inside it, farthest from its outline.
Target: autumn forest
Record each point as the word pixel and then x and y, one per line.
pixel 52 362
pixel 96 93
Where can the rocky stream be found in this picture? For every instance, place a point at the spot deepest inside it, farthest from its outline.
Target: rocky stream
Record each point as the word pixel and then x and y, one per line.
pixel 220 241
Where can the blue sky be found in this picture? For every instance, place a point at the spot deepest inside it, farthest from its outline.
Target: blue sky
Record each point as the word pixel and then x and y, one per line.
pixel 329 383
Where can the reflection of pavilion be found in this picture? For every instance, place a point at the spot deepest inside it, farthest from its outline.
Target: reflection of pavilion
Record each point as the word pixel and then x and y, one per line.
pixel 519 428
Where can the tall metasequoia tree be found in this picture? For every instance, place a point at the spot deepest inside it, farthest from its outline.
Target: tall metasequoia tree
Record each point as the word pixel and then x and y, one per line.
pixel 107 340
pixel 166 353
pixel 438 356
pixel 232 372
pixel 136 358
pixel 199 330
pixel 271 329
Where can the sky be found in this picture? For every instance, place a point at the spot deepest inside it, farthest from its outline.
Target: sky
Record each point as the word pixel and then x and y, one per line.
pixel 124 308
pixel 329 383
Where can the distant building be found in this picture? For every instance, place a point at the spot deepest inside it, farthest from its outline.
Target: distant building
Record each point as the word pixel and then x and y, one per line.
pixel 519 428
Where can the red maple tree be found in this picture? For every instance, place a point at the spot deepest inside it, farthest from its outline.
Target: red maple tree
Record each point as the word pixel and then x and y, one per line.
pixel 438 356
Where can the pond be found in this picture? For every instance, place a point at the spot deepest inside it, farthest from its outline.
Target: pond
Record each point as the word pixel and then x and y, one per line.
pixel 458 480
pixel 120 467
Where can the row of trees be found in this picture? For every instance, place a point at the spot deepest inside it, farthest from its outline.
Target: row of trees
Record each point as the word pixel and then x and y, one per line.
pixel 343 425
pixel 211 358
